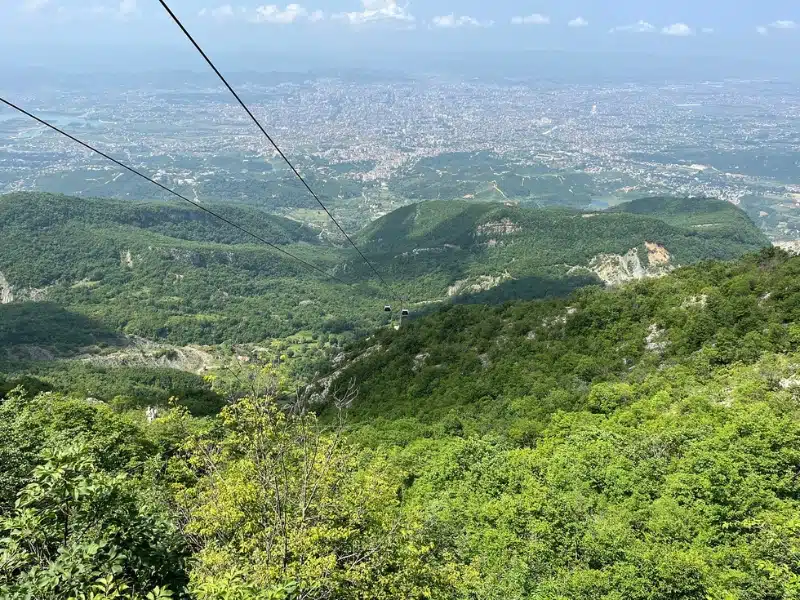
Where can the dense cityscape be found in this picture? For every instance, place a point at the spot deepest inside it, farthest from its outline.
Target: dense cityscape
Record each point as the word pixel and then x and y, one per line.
pixel 379 142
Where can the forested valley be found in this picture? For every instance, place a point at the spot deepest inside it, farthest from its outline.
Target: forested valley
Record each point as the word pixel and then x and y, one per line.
pixel 543 437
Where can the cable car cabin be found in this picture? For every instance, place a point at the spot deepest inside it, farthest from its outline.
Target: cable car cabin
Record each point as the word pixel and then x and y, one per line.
pixel 404 313
pixel 387 308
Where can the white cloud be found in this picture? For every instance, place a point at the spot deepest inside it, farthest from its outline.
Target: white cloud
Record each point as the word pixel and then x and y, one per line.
pixel 451 21
pixel 34 5
pixel 707 30
pixel 578 22
pixel 270 13
pixel 377 10
pixel 127 7
pixel 640 27
pixel 113 9
pixel 782 24
pixel 124 9
pixel 534 19
pixel 221 12
pixel 678 30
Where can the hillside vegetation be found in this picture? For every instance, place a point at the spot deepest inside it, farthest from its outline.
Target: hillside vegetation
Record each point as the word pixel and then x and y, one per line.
pixel 544 237
pixel 164 272
pixel 168 272
pixel 639 443
pixel 479 366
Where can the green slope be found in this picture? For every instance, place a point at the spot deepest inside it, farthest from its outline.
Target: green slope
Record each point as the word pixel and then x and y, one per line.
pixel 168 272
pixel 444 241
pixel 174 218
pixel 707 215
pixel 697 228
pixel 636 443
pixel 164 272
pixel 49 237
pixel 483 367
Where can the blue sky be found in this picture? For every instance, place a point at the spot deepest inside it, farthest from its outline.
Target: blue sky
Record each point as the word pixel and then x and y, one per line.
pixel 718 27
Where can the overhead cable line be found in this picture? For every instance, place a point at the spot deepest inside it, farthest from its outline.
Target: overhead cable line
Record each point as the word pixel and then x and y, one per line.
pixel 173 192
pixel 271 141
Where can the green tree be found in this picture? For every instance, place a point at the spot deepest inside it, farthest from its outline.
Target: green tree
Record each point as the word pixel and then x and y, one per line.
pixel 289 505
pixel 74 524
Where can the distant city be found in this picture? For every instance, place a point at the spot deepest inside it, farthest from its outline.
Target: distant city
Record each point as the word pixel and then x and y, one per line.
pixel 371 143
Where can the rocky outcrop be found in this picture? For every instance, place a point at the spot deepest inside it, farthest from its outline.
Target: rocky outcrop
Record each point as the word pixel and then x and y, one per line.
pixel 141 352
pixel 656 254
pixel 656 339
pixel 698 301
pixel 792 247
pixel 9 293
pixel 614 269
pixel 6 291
pixel 502 227
pixel 419 361
pixel 555 320
pixel 482 283
pixel 322 388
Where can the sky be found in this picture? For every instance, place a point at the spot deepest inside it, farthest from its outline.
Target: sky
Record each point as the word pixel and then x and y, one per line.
pixel 58 31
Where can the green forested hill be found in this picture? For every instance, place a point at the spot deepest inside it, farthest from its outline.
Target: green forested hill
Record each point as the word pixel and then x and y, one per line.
pixel 637 443
pixel 163 271
pixel 168 272
pixel 708 216
pixel 477 235
pixel 715 225
pixel 34 211
pixel 479 366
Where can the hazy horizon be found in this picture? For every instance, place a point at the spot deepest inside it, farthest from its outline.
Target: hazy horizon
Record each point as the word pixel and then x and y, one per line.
pixel 411 37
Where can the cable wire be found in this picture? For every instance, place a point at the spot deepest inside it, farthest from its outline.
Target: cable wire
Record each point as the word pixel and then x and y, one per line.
pixel 271 141
pixel 173 192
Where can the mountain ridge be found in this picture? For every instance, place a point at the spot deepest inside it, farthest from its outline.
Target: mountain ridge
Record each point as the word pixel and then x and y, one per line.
pixel 160 271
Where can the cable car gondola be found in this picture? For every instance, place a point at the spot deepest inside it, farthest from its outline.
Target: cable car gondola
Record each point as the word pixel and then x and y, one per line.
pixel 387 308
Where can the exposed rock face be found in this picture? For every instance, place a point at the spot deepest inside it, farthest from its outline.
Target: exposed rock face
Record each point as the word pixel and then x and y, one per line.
pixel 615 269
pixel 699 301
pixel 656 254
pixel 789 383
pixel 503 227
pixel 324 385
pixel 9 293
pixel 181 255
pixel 6 291
pixel 33 294
pixel 656 340
pixel 144 353
pixel 419 361
pixel 481 284
pixel 792 248
pixel 556 320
